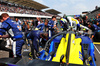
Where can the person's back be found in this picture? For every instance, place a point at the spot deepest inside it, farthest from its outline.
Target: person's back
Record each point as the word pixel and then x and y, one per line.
pixel 34 34
pixel 16 30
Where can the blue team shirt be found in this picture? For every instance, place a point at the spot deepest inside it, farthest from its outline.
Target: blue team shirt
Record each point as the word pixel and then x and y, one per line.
pixel 51 24
pixel 35 37
pixel 11 27
pixel 96 27
pixel 41 26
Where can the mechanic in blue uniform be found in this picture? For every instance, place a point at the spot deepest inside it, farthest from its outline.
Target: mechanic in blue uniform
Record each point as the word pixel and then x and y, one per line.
pixel 43 26
pixel 14 32
pixel 98 19
pixel 51 26
pixel 35 36
pixel 96 28
pixel 2 42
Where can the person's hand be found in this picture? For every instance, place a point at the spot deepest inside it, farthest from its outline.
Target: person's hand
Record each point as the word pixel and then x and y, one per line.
pixel 92 36
pixel 0 36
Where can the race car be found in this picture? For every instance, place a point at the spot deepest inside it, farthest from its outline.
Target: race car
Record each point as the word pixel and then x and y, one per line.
pixel 72 49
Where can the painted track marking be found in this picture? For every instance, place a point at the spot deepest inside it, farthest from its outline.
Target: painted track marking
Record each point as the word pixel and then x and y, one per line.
pixel 97 49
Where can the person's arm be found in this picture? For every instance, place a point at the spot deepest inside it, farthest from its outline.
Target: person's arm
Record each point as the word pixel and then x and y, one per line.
pixel 92 37
pixel 98 28
pixel 4 36
pixel 42 26
pixel 84 27
pixel 31 24
pixel 39 26
pixel 2 30
pixel 19 22
pixel 76 21
pixel 22 23
pixel 7 27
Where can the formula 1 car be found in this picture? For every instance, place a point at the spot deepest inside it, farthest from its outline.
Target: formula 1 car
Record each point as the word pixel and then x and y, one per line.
pixel 71 49
pixel 67 48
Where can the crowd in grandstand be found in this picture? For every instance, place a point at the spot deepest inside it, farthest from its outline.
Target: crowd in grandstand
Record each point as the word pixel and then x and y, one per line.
pixel 14 9
pixel 5 8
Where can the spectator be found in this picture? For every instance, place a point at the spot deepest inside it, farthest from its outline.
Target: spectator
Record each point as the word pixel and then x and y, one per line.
pixel 26 26
pixel 37 21
pixel 46 25
pixel 33 24
pixel 85 20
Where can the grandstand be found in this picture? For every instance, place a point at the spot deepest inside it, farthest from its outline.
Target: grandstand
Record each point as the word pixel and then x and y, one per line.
pixel 25 8
pixel 94 13
pixel 53 12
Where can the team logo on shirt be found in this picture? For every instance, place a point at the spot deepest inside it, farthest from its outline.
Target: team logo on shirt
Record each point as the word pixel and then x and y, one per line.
pixel 19 28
